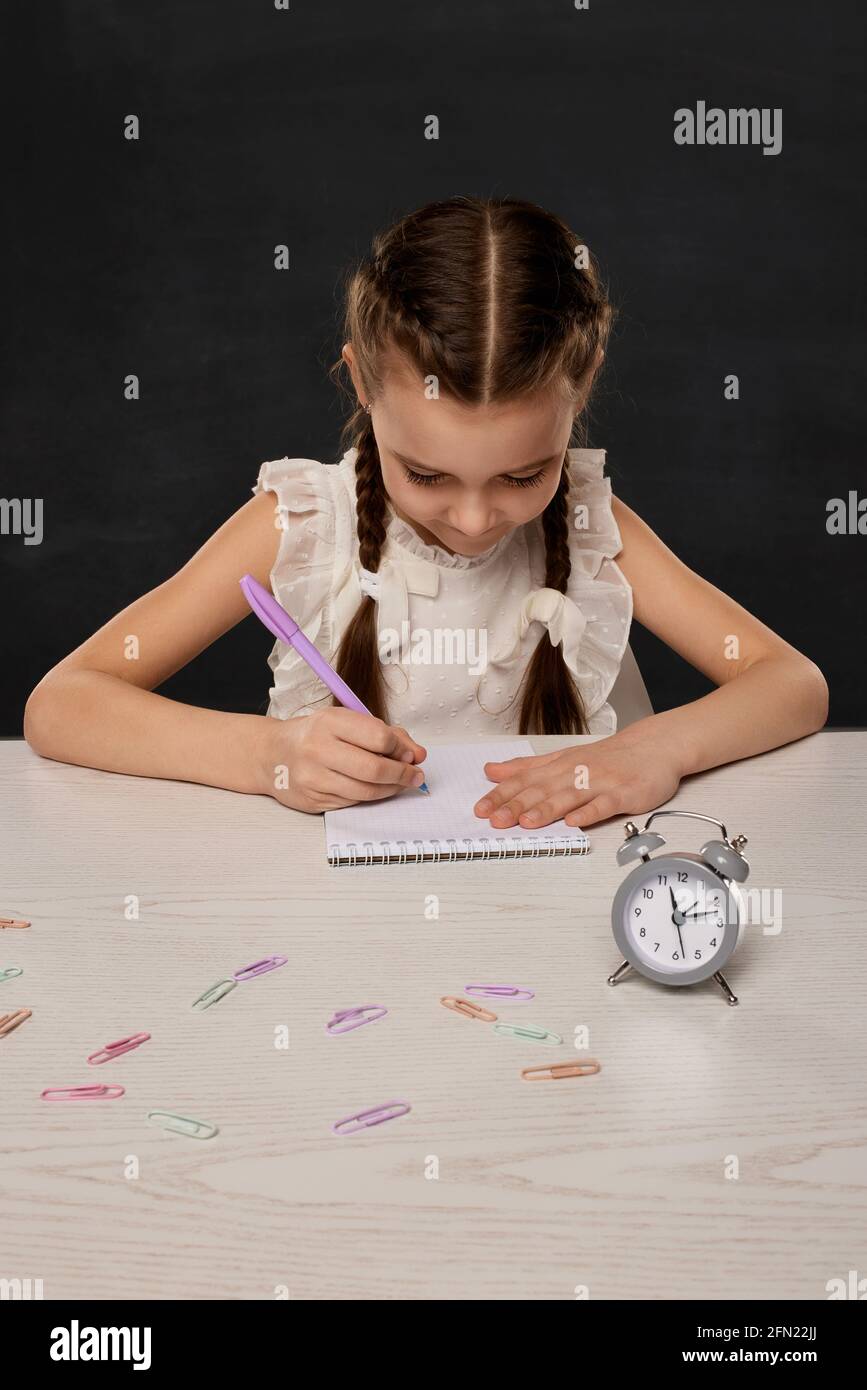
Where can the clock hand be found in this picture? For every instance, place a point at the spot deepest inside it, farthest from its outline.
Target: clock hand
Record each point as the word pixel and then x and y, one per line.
pixel 680 939
pixel 701 914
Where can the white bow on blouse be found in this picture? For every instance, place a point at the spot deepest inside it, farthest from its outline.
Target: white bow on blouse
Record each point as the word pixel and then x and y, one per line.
pixel 390 587
pixel 562 617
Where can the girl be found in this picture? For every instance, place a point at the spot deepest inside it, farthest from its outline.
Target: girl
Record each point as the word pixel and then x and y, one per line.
pixel 467 504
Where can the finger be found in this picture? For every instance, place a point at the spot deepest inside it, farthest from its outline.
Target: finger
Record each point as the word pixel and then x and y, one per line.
pixel 365 731
pixel 386 749
pixel 508 813
pixel 600 808
pixel 552 807
pixel 349 791
pixel 373 769
pixel 496 771
pixel 498 796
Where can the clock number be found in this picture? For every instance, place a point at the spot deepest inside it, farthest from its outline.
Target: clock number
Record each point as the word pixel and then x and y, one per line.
pixel 682 877
pixel 656 946
pixel 643 931
pixel 647 892
pixel 662 879
pixel 713 941
pixel 638 912
pixel 675 956
pixel 698 955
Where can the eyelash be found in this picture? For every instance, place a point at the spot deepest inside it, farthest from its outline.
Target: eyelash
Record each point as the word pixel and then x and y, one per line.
pixel 431 479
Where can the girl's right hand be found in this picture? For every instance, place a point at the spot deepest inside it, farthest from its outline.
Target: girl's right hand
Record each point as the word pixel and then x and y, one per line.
pixel 337 757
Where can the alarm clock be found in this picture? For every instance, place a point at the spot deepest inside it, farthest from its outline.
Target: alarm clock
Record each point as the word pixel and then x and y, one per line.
pixel 678 917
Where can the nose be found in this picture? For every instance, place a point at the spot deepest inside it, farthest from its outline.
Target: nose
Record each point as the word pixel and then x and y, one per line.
pixel 474 518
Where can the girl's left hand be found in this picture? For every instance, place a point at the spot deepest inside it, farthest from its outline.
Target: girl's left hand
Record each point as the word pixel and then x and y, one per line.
pixel 628 772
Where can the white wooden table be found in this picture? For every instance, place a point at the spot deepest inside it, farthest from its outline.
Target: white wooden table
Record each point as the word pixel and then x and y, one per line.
pixel 616 1181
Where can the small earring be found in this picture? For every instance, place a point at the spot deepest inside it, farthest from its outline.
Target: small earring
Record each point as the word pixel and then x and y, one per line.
pixel 367 408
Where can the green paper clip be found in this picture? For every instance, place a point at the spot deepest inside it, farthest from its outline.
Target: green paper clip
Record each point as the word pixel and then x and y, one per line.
pixel 528 1033
pixel 212 995
pixel 193 1129
pixel 11 974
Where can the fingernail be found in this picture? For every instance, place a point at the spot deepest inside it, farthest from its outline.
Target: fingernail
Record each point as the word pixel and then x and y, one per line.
pixel 484 806
pixel 407 756
pixel 533 815
pixel 418 778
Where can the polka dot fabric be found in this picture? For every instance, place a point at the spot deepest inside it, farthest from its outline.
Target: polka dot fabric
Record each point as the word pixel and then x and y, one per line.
pixel 458 630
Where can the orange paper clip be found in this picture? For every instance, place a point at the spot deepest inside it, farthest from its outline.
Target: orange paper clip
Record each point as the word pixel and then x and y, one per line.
pixel 560 1070
pixel 469 1009
pixel 12 922
pixel 10 1021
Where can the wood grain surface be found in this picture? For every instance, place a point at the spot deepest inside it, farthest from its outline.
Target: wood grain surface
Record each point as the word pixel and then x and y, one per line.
pixel 615 1182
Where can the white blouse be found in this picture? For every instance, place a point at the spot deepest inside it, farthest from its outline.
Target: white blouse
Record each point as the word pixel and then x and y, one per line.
pixel 456 632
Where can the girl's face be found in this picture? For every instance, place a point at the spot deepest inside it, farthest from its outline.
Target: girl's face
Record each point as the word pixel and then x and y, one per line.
pixel 462 476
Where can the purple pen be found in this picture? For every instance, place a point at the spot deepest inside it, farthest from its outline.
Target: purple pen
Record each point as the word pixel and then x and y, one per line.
pixel 278 621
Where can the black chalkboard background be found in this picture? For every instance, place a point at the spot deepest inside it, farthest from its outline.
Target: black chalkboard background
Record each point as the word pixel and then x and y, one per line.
pixel 262 126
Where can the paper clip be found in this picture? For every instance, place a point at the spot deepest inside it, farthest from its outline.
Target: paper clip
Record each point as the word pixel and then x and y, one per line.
pixel 374 1012
pixel 12 922
pixel 11 974
pixel 558 1071
pixel 508 993
pixel 391 1110
pixel 115 1049
pixel 216 992
pixel 468 1009
pixel 260 967
pixel 82 1092
pixel 13 1020
pixel 528 1033
pixel 193 1129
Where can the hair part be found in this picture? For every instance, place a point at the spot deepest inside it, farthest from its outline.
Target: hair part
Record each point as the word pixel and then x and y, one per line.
pixel 485 296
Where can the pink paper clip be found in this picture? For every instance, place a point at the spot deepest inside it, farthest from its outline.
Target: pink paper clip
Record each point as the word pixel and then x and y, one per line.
pixel 508 993
pixel 374 1011
pixel 391 1110
pixel 260 967
pixel 82 1092
pixel 116 1049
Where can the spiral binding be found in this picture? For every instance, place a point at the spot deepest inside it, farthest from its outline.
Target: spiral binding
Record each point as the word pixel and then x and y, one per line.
pixel 508 847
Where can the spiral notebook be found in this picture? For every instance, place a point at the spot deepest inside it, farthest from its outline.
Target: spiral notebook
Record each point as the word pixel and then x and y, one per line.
pixel 411 828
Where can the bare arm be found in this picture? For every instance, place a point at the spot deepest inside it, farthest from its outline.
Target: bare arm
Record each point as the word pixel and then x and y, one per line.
pixel 768 692
pixel 97 708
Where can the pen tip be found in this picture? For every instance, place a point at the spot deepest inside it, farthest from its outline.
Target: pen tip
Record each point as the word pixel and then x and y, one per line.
pixel 423 787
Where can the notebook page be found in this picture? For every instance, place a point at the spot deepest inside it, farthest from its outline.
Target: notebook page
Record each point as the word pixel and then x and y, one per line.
pixel 455 774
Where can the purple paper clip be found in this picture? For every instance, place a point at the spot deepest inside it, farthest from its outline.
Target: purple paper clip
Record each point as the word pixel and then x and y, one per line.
pixel 374 1010
pixel 365 1118
pixel 510 994
pixel 115 1049
pixel 260 967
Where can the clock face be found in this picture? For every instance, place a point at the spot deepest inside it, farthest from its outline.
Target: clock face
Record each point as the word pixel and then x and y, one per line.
pixel 677 919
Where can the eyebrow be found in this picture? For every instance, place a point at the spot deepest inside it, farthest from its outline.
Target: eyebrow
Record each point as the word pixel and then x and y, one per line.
pixel 525 467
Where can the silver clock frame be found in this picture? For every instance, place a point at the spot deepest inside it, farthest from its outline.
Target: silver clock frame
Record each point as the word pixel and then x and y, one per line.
pixel 732 928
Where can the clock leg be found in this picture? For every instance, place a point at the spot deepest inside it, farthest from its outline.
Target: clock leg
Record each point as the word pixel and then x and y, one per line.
pixel 619 973
pixel 732 999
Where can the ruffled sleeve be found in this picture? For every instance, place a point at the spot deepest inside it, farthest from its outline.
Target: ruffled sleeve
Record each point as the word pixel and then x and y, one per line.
pixel 309 513
pixel 597 586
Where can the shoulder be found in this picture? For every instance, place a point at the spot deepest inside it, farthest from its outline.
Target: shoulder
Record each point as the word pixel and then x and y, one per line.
pixel 310 508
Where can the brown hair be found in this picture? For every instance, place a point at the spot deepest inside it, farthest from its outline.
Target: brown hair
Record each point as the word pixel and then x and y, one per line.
pixel 484 295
